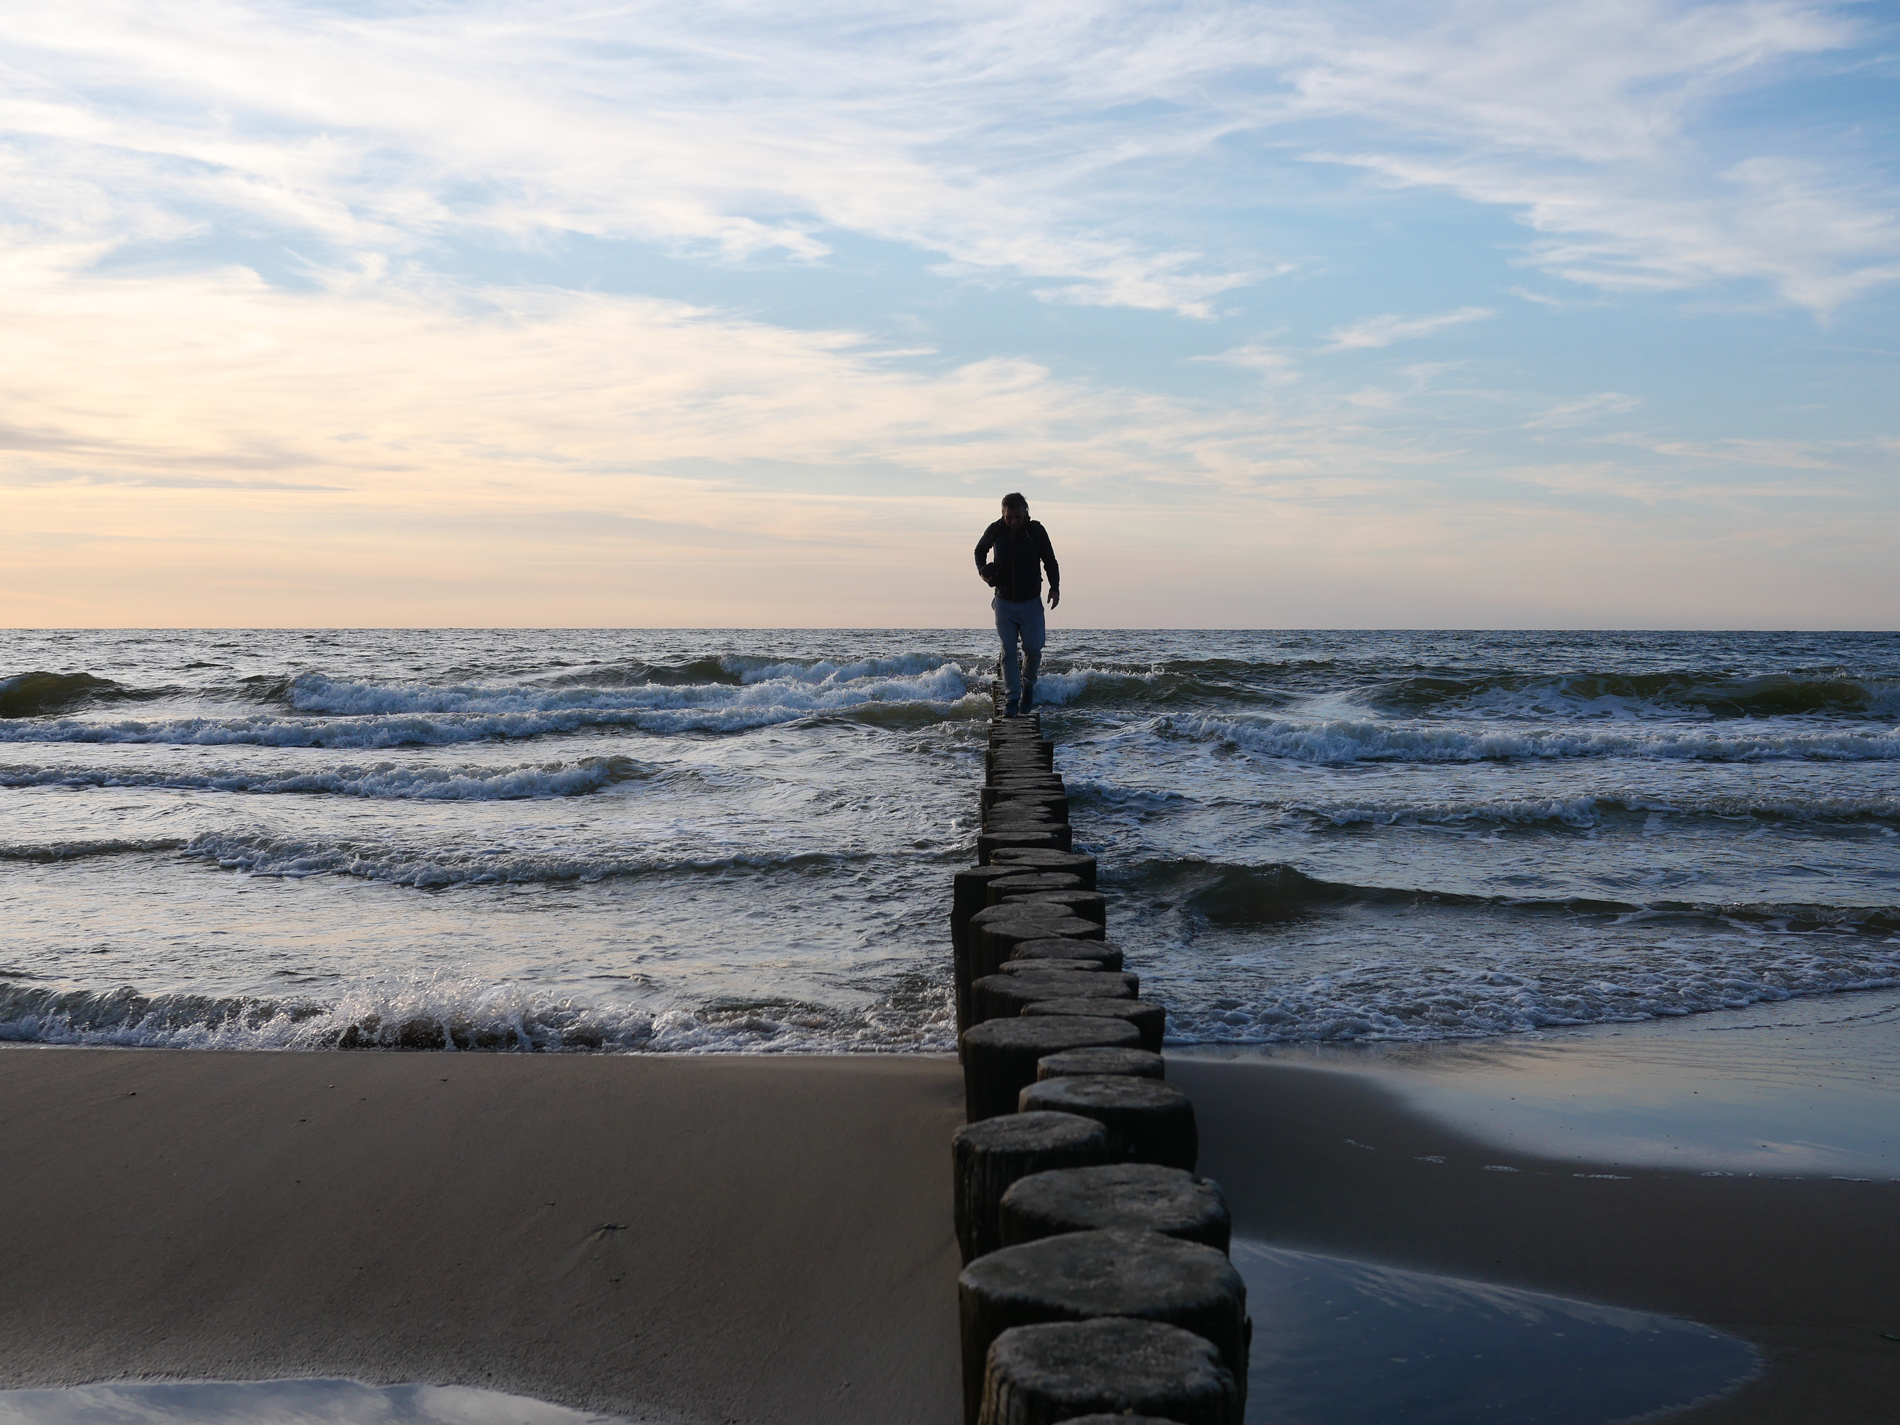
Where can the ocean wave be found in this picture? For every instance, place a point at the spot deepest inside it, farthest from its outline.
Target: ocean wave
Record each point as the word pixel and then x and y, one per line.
pixel 446 1012
pixel 1483 693
pixel 39 694
pixel 381 780
pixel 1587 812
pixel 1675 694
pixel 293 857
pixel 1216 682
pixel 807 687
pixel 85 848
pixel 1393 1000
pixel 370 716
pixel 1337 742
pixel 1223 893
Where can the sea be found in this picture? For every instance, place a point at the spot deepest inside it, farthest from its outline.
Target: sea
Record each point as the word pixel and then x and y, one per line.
pixel 640 841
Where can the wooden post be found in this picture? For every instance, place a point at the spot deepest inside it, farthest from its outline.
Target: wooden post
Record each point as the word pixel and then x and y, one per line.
pixel 1006 996
pixel 1082 1275
pixel 1061 948
pixel 990 1156
pixel 1089 905
pixel 1147 1121
pixel 1130 1063
pixel 999 1056
pixel 1147 1016
pixel 1034 858
pixel 1131 1372
pixel 1144 1195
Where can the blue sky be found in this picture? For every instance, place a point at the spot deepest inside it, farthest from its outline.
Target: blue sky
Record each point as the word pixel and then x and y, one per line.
pixel 1282 315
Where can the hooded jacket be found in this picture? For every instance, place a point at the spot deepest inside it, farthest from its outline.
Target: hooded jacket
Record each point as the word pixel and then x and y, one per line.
pixel 1016 572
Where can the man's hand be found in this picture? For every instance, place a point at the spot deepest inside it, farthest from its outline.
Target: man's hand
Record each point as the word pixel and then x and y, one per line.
pixel 1055 596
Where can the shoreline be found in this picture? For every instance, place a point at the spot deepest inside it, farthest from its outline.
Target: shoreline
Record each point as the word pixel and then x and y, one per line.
pixel 783 1226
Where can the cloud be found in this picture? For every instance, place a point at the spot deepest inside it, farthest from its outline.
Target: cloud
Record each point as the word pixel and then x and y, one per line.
pixel 1602 127
pixel 1069 146
pixel 1383 331
pixel 1574 413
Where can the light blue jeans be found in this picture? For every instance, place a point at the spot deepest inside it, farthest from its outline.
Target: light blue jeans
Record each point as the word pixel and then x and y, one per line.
pixel 1019 619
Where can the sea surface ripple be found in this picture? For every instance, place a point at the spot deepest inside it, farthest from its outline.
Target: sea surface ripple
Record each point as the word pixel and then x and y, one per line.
pixel 741 840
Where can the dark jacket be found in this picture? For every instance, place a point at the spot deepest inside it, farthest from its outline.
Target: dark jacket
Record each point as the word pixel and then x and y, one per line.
pixel 1016 573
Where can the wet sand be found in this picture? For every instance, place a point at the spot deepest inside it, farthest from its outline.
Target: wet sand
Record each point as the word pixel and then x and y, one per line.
pixel 1802 1266
pixel 760 1240
pixel 709 1239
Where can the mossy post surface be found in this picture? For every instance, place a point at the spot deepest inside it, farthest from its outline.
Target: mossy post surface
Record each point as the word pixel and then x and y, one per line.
pixel 1147 1121
pixel 990 842
pixel 1112 1371
pixel 1076 863
pixel 1093 1198
pixel 1132 1063
pixel 1006 996
pixel 1026 882
pixel 1000 929
pixel 990 1156
pixel 1060 949
pixel 1080 1276
pixel 1090 905
pixel 1000 1056
pixel 1147 1016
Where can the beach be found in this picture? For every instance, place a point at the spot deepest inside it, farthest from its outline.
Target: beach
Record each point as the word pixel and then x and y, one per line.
pixel 703 1239
pixel 721 1238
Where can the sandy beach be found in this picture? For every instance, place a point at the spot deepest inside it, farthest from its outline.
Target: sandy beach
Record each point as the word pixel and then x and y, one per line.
pixel 726 1239
pixel 706 1239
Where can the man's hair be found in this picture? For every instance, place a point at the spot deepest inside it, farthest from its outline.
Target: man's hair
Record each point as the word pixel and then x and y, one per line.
pixel 1014 501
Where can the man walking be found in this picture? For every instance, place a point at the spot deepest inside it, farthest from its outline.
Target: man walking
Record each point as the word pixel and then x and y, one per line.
pixel 1022 550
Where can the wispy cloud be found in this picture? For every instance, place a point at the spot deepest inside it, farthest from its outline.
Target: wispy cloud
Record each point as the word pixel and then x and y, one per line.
pixel 1046 140
pixel 260 258
pixel 1383 331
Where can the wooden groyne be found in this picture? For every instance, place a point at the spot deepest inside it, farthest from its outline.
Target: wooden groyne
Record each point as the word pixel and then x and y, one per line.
pixel 1096 1280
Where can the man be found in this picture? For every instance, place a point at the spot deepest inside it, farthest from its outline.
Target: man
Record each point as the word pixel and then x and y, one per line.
pixel 1022 550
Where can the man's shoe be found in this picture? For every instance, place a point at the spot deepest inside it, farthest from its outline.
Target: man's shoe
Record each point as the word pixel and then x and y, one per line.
pixel 1029 700
pixel 1011 710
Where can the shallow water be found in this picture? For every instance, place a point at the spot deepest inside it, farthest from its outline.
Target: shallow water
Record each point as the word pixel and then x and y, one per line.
pixel 742 840
pixel 281 1402
pixel 1806 1088
pixel 1340 1342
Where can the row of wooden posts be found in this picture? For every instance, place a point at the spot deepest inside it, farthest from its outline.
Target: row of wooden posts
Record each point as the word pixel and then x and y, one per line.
pixel 1096 1285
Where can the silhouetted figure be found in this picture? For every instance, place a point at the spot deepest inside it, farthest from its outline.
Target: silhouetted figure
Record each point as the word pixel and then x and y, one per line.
pixel 1021 550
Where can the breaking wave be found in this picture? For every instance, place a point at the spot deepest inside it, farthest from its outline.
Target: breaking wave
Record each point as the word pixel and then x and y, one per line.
pixel 262 854
pixel 370 716
pixel 51 852
pixel 37 694
pixel 1221 893
pixel 1402 1000
pixel 382 779
pixel 449 1013
pixel 1593 811
pixel 1677 694
pixel 1341 741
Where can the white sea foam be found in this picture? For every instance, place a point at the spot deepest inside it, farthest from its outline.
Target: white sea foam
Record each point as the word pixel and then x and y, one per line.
pixel 459 1012
pixel 382 779
pixel 383 715
pixel 783 687
pixel 1402 999
pixel 294 857
pixel 302 1401
pixel 1337 742
pixel 1591 811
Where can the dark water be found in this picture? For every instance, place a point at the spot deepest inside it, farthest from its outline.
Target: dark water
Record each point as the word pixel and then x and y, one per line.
pixel 710 840
pixel 1339 1342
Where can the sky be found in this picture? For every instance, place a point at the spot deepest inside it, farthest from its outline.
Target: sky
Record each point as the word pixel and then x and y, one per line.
pixel 1462 314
